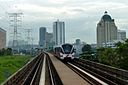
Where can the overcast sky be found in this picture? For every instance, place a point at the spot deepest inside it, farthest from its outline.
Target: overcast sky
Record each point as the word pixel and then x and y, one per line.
pixel 80 16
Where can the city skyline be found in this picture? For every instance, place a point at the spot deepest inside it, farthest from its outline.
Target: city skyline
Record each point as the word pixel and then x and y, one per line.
pixel 80 16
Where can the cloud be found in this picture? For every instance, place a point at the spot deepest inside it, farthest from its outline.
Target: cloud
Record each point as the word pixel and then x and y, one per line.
pixel 5 0
pixel 58 1
pixel 80 16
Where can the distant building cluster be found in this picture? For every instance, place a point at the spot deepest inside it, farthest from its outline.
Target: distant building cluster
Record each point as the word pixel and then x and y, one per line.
pixel 45 38
pixel 107 32
pixel 121 35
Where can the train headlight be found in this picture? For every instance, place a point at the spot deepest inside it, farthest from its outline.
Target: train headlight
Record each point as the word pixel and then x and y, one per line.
pixel 72 57
pixel 61 54
pixel 73 53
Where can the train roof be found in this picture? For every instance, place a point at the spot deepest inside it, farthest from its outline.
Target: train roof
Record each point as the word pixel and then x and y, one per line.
pixel 66 44
pixel 61 45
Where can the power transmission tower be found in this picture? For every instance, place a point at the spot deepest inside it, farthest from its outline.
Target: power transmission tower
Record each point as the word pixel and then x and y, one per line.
pixel 15 23
pixel 29 37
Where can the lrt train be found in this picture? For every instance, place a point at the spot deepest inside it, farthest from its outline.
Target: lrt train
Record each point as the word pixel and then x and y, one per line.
pixel 65 52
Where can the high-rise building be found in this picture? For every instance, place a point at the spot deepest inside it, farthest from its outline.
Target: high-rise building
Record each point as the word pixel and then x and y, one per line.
pixel 58 32
pixel 2 38
pixel 106 30
pixel 42 37
pixel 49 40
pixel 78 47
pixel 78 42
pixel 121 35
pixel 49 37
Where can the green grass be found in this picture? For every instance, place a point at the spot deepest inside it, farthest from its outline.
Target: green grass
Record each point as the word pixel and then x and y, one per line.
pixel 10 64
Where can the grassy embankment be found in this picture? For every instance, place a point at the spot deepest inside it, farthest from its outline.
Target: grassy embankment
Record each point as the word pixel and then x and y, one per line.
pixel 10 64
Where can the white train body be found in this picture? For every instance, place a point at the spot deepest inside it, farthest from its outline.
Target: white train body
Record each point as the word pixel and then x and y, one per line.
pixel 65 51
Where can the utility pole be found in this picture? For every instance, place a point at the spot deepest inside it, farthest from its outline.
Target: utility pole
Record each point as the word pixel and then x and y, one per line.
pixel 32 49
pixel 15 23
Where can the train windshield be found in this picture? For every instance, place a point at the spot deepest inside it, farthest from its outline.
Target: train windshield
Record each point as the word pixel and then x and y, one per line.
pixel 67 48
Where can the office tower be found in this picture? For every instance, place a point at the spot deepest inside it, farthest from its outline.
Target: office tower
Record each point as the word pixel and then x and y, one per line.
pixel 106 30
pixel 49 40
pixel 42 37
pixel 58 32
pixel 78 42
pixel 49 37
pixel 121 35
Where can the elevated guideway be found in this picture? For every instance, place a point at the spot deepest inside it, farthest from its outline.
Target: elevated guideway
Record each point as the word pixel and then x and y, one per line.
pixel 46 69
pixel 67 76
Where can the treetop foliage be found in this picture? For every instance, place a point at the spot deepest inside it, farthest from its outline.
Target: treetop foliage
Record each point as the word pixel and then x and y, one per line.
pixel 115 56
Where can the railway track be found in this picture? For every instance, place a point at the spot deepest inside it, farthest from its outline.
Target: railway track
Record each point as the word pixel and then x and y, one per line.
pixel 29 74
pixel 96 73
pixel 39 71
pixel 85 75
pixel 51 73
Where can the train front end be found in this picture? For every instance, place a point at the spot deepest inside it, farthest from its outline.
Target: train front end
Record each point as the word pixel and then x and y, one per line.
pixel 67 52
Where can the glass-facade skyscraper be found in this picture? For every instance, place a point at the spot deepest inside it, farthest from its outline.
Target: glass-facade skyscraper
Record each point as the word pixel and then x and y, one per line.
pixel 42 37
pixel 59 32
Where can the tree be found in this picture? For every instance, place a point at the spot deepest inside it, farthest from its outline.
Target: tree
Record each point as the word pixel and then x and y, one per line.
pixel 115 56
pixel 118 44
pixel 87 48
pixel 87 52
pixel 107 56
pixel 8 51
pixel 122 55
